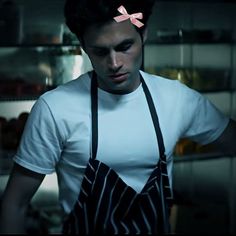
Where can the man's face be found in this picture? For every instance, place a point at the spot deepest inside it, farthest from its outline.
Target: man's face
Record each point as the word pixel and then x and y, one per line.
pixel 115 51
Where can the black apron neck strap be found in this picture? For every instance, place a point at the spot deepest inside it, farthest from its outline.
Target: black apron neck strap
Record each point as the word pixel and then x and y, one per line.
pixel 94 114
pixel 155 119
pixel 94 111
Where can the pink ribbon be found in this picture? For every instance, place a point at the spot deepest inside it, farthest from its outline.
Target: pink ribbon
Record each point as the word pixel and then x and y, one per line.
pixel 133 17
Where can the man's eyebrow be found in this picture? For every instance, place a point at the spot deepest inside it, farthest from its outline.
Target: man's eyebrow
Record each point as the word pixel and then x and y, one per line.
pixel 126 41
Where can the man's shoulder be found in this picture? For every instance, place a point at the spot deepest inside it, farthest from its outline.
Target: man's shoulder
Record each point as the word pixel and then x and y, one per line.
pixel 74 88
pixel 165 87
pixel 160 81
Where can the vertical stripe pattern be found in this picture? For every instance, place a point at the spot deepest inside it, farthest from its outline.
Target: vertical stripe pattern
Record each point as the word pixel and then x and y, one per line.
pixel 108 205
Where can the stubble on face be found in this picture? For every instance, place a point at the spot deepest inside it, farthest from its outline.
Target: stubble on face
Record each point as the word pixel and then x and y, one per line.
pixel 115 51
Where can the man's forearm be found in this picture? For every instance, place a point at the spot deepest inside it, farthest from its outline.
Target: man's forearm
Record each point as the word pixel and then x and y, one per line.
pixel 12 220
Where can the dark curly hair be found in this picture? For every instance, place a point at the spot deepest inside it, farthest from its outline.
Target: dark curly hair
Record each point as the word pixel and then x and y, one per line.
pixel 79 14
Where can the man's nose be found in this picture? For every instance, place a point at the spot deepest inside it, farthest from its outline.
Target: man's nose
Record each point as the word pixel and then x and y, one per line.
pixel 114 61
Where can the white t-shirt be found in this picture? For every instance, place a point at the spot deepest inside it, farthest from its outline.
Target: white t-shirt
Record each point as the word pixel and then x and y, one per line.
pixel 57 135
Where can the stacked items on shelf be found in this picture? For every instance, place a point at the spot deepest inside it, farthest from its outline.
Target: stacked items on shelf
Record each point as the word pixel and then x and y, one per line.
pixel 201 79
pixel 11 131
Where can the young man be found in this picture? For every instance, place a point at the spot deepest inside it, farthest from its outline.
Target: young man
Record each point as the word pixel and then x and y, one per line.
pixel 110 133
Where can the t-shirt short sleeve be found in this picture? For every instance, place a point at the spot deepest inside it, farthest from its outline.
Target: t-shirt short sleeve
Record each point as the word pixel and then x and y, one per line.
pixel 204 122
pixel 40 145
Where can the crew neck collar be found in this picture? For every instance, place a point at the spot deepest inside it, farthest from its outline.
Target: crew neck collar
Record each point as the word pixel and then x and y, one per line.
pixel 104 95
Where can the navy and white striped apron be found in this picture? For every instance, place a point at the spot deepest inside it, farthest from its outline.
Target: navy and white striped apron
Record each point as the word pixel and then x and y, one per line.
pixel 107 205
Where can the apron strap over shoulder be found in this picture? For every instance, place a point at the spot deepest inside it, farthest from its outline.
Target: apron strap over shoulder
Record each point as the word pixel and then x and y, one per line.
pixel 94 111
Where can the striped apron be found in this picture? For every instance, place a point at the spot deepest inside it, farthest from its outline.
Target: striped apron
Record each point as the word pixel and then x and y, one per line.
pixel 107 205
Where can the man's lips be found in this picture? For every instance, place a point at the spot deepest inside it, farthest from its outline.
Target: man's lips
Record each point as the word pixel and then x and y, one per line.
pixel 118 77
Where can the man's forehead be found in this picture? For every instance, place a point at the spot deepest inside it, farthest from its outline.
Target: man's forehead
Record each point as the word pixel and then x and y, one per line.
pixel 110 34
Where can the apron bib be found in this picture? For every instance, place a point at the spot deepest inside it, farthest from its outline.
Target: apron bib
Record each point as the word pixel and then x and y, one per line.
pixel 107 205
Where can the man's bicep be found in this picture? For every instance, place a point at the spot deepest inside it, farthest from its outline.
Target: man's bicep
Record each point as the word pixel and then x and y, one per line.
pixel 22 185
pixel 226 142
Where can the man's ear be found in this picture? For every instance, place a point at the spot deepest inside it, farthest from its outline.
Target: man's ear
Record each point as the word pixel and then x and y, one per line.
pixel 81 43
pixel 145 34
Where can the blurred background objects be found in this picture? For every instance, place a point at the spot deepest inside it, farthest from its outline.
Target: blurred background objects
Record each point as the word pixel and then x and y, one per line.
pixel 191 41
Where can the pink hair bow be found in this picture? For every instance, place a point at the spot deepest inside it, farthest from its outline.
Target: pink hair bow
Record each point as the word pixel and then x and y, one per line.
pixel 133 17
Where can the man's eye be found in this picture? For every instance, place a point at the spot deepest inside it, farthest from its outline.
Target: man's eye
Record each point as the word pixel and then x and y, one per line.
pixel 124 48
pixel 100 52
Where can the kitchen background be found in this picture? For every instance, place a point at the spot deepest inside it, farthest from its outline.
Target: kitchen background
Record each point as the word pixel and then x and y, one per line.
pixel 192 41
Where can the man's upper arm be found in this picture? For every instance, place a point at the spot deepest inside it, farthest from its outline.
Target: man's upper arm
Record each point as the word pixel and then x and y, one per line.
pixel 226 142
pixel 22 185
